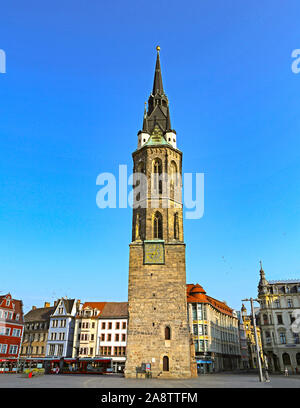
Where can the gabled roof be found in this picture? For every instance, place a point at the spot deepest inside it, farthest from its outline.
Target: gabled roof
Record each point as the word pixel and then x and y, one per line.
pixel 39 314
pixel 156 138
pixel 69 303
pixel 115 310
pixel 18 304
pixel 94 305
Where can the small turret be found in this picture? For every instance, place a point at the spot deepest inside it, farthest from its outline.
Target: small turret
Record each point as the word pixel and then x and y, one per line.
pixel 263 283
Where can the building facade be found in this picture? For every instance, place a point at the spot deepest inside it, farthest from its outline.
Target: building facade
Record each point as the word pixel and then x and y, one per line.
pixel 215 331
pixel 279 322
pixel 11 329
pixel 251 344
pixel 112 334
pixel 243 343
pixel 86 329
pixel 61 329
pixel 37 322
pixel 158 332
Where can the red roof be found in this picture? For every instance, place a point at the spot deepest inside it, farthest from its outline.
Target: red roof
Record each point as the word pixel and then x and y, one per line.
pixel 18 305
pixel 196 294
pixel 93 305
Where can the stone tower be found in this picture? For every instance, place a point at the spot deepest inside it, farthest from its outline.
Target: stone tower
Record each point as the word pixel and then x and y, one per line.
pixel 158 332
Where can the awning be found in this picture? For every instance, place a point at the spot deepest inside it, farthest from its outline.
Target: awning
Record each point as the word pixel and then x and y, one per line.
pixel 204 362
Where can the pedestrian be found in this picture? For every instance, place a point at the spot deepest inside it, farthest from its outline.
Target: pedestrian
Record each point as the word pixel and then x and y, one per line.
pixel 286 372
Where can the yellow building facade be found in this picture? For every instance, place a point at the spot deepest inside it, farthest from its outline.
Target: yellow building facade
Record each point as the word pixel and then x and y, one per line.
pixel 249 329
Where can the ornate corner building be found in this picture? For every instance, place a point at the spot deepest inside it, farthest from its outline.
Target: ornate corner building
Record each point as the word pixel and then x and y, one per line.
pixel 158 331
pixel 279 322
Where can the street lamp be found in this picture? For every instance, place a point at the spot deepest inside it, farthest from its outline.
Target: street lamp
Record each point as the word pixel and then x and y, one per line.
pixel 251 300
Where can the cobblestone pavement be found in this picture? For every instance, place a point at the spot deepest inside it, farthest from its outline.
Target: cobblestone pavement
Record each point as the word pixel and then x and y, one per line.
pixel 224 380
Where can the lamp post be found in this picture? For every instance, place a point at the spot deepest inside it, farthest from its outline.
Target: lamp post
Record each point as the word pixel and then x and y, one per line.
pixel 251 300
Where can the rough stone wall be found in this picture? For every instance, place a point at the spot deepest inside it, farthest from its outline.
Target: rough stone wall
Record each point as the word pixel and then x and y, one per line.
pixel 157 298
pixel 157 292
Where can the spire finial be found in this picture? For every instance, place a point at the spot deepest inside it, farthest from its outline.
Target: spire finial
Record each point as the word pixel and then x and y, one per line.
pixel 261 268
pixel 158 48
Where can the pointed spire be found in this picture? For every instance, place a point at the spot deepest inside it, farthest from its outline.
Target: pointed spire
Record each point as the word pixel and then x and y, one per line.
pixel 157 83
pixel 157 113
pixel 168 120
pixel 262 272
pixel 145 122
pixel 243 310
pixel 263 281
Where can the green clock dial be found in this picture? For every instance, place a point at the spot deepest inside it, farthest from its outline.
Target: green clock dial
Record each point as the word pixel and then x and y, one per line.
pixel 154 253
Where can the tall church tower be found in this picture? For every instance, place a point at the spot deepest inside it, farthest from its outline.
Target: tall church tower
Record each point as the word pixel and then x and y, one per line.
pixel 158 332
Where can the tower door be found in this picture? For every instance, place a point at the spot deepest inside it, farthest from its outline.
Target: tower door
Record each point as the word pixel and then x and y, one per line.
pixel 166 363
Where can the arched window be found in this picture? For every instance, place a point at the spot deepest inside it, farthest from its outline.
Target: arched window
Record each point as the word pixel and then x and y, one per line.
pixel 173 172
pixel 298 359
pixel 282 337
pixel 265 319
pixel 157 226
pixel 173 179
pixel 138 227
pixel 157 179
pixel 166 363
pixel 176 226
pixel 167 333
pixel 140 169
pixel 286 359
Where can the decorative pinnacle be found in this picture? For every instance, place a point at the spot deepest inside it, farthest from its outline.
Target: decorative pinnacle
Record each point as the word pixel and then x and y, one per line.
pixel 158 48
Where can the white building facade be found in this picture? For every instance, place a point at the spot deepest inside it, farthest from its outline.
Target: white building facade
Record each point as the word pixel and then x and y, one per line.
pixel 112 334
pixel 61 329
pixel 279 319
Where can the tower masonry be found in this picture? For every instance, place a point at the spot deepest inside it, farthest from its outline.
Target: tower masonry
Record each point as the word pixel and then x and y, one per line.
pixel 158 332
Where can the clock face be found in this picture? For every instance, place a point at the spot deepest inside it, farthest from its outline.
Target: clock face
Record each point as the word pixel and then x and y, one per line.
pixel 154 253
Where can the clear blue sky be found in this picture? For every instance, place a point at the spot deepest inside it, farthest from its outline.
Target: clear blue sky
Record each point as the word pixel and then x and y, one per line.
pixel 71 103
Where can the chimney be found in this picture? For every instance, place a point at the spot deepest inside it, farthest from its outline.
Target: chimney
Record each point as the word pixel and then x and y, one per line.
pixel 46 304
pixel 33 307
pixel 55 302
